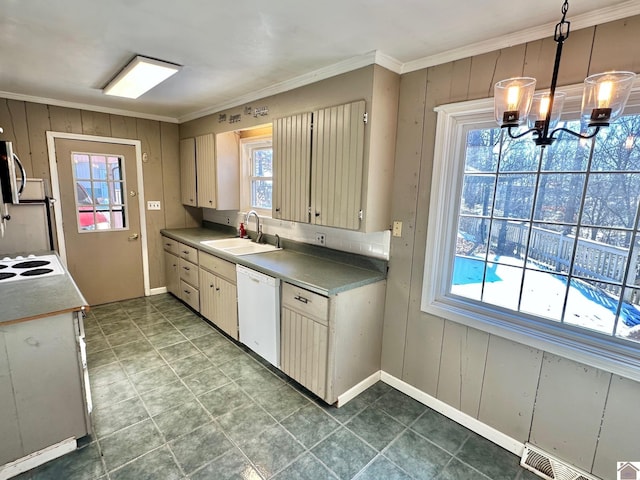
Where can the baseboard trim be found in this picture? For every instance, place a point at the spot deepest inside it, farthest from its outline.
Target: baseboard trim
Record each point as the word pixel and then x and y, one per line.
pixel 473 424
pixel 358 389
pixel 157 291
pixel 38 458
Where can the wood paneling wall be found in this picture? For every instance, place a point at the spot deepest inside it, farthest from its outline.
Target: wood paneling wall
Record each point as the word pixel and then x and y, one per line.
pixel 581 414
pixel 26 124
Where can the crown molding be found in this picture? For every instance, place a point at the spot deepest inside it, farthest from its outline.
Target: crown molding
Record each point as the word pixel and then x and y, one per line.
pixel 595 17
pixel 86 106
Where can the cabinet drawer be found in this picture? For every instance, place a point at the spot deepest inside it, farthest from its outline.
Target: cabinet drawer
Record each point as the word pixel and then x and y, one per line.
pixel 189 272
pixel 218 266
pixel 305 302
pixel 170 245
pixel 188 253
pixel 190 295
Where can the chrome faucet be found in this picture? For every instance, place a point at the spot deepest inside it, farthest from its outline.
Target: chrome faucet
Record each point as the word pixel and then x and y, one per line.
pixel 258 228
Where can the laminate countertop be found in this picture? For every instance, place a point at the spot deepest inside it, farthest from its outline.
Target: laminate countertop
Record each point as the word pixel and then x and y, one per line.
pixel 321 270
pixel 39 297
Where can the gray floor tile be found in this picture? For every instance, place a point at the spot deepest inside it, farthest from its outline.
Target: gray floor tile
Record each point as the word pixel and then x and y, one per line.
pixel 206 380
pixel 282 402
pixel 310 425
pixel 133 349
pixel 97 343
pixel 456 470
pixel 121 327
pixel 156 328
pixel 181 420
pixel 489 458
pixel 106 374
pixel 200 447
pixel 344 453
pixel 189 365
pixel 125 445
pixel 272 450
pixel 103 357
pixel 166 397
pixel 195 331
pixel 244 423
pixel 112 393
pixel 178 350
pixel 417 456
pixel 121 338
pixel 82 464
pixel 151 466
pixel 117 416
pixel 374 392
pixel 240 366
pixel 259 382
pixel 166 338
pixel 346 412
pixel 400 406
pixel 375 427
pixel 224 399
pixel 306 467
pixel 183 319
pixel 141 362
pixel 210 340
pixel 381 468
pixel 150 379
pixel 233 465
pixel 222 352
pixel 441 430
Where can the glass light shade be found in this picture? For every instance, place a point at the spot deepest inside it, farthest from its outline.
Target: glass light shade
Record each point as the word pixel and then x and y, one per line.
pixel 140 76
pixel 605 96
pixel 540 106
pixel 512 100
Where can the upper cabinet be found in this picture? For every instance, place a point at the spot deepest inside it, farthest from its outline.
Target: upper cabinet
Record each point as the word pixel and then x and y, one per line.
pixel 334 166
pixel 210 171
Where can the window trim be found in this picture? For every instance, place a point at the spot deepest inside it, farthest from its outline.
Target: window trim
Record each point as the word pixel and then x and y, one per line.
pixel 246 145
pixel 453 122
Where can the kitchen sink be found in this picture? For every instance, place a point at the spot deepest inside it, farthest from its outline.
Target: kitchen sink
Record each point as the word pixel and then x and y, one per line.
pixel 239 246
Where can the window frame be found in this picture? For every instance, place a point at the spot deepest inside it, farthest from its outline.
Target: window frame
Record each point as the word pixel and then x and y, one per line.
pixel 453 122
pixel 248 144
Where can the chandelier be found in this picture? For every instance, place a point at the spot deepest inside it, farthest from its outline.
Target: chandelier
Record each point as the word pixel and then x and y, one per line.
pixel 603 100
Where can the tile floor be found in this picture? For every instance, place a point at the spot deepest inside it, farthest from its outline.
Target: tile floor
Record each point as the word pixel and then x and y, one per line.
pixel 176 399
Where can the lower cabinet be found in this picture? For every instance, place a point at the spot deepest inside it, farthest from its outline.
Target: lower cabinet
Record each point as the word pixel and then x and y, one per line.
pixel 219 294
pixel 172 273
pixel 331 344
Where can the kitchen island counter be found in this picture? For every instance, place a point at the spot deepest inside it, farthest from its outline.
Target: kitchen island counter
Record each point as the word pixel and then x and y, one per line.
pixel 321 270
pixel 39 297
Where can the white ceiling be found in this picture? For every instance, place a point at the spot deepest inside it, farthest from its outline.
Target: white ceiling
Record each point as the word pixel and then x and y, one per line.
pixel 64 51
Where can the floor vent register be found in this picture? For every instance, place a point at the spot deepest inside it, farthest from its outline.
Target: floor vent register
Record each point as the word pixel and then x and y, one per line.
pixel 549 467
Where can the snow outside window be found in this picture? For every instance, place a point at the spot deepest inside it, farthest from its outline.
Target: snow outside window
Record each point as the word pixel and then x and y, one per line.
pixel 539 245
pixel 257 174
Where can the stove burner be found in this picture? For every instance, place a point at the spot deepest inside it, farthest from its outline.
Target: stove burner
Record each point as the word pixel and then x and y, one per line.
pixel 3 275
pixel 31 264
pixel 3 266
pixel 36 271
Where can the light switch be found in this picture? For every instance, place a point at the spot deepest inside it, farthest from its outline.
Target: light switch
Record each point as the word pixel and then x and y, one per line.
pixel 153 205
pixel 397 228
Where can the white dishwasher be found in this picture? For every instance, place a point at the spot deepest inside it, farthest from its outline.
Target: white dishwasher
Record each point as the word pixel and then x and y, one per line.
pixel 259 313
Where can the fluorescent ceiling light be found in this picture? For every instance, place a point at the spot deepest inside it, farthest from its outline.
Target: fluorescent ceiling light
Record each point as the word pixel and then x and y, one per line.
pixel 140 76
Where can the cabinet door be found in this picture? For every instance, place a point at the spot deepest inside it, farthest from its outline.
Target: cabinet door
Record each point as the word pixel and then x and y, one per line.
pixel 337 162
pixel 208 295
pixel 304 349
pixel 206 170
pixel 227 307
pixel 188 172
pixel 172 273
pixel 292 167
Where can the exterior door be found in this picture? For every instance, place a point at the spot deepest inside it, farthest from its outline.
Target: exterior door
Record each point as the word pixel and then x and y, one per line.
pixel 101 218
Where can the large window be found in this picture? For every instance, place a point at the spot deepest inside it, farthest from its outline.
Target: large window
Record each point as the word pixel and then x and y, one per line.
pixel 257 188
pixel 540 244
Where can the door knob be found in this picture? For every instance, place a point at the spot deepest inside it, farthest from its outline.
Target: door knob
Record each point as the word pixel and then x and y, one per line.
pixel 132 193
pixel 133 237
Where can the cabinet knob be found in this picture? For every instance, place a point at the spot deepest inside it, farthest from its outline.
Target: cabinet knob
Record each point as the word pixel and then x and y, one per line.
pixel 211 286
pixel 317 214
pixel 217 289
pixel 278 209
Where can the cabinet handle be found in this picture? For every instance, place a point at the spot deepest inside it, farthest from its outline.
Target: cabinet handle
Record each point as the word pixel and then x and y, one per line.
pixel 187 292
pixel 317 214
pixel 217 289
pixel 168 244
pixel 278 209
pixel 186 252
pixel 186 268
pixel 301 299
pixel 211 286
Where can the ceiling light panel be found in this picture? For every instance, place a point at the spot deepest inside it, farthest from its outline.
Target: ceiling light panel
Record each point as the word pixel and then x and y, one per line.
pixel 140 76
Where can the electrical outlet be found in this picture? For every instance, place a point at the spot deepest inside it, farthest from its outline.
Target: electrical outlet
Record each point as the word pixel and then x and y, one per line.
pixel 320 239
pixel 153 205
pixel 397 228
